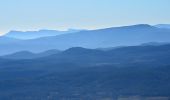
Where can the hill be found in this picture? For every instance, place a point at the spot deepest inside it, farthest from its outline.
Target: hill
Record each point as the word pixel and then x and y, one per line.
pixel 29 55
pixel 89 74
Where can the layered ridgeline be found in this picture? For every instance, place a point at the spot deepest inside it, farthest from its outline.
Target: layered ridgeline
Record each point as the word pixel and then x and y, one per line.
pixel 101 38
pixel 29 55
pixel 144 54
pixel 89 74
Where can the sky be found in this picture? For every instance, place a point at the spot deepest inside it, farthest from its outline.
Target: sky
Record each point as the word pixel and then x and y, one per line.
pixel 27 15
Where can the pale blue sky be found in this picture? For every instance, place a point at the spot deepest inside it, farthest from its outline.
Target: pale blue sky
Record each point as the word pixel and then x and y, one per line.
pixel 81 14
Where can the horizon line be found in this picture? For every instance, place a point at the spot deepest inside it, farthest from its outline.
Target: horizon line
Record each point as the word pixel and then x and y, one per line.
pixel 67 29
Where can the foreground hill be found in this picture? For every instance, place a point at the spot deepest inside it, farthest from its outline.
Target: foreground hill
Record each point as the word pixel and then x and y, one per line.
pixel 102 38
pixel 89 74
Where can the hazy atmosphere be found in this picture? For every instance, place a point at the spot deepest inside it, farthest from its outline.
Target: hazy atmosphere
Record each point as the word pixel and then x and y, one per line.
pixel 84 49
pixel 24 15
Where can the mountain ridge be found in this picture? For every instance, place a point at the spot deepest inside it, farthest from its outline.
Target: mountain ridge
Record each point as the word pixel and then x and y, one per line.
pixel 101 38
pixel 37 34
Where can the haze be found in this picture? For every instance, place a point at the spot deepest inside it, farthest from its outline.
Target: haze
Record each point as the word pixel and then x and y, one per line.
pixel 82 14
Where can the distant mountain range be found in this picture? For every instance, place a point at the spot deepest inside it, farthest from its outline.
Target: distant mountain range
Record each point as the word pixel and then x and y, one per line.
pixel 37 34
pixel 101 38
